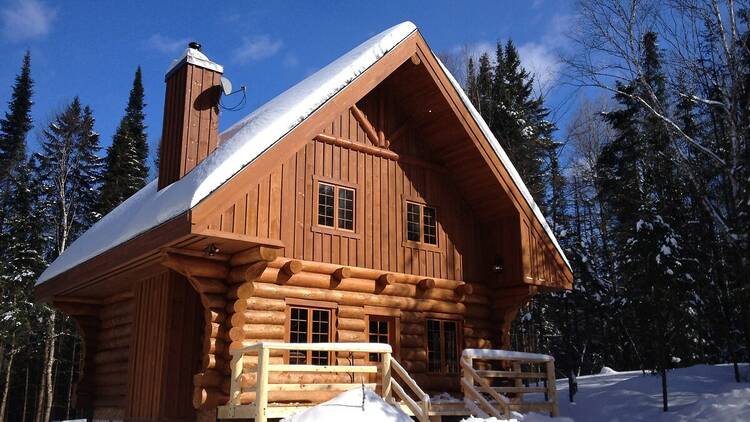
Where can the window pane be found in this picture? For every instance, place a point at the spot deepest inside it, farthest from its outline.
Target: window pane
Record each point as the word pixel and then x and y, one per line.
pixel 430 226
pixel 325 205
pixel 412 222
pixel 298 334
pixel 450 334
pixel 378 334
pixel 346 209
pixel 320 334
pixel 433 345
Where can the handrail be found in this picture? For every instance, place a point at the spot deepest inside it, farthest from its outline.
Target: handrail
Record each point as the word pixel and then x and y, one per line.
pixel 259 407
pixel 516 374
pixel 485 388
pixel 422 409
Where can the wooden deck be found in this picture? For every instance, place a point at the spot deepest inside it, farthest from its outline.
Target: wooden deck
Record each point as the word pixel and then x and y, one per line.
pixel 495 380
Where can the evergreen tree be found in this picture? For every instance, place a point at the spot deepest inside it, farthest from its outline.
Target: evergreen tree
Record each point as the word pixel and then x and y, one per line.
pixel 69 173
pixel 126 169
pixel 519 121
pixel 17 121
pixel 472 90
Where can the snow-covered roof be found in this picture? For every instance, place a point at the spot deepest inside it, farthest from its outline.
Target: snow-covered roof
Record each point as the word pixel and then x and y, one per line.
pixel 244 142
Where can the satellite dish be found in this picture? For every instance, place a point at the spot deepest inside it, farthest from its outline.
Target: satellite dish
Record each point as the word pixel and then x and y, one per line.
pixel 226 86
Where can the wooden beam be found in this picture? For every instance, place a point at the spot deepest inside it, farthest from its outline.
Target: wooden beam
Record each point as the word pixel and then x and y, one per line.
pixel 255 254
pixel 378 152
pixel 372 135
pixel 195 267
pixel 426 283
pixel 415 60
pixel 292 267
pixel 342 273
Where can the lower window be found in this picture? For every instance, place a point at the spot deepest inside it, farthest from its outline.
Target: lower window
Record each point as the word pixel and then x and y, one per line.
pixel 309 325
pixel 442 346
pixel 380 329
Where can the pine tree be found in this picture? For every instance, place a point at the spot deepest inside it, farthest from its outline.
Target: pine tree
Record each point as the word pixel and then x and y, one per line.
pixel 519 121
pixel 17 121
pixel 126 169
pixel 472 91
pixel 69 173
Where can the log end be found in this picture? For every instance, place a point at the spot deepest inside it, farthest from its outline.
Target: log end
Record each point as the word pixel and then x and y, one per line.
pixel 464 289
pixel 292 267
pixel 426 283
pixel 342 273
pixel 386 279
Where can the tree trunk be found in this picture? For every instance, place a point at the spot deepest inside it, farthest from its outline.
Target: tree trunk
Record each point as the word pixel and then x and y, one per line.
pixel 9 369
pixel 70 380
pixel 44 396
pixel 664 395
pixel 26 394
pixel 49 367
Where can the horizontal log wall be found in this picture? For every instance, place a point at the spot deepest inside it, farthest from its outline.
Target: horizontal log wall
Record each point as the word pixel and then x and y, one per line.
pixel 259 313
pixel 282 205
pixel 110 360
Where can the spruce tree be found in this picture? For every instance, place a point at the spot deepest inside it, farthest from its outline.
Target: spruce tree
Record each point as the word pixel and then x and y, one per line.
pixel 126 169
pixel 17 121
pixel 69 172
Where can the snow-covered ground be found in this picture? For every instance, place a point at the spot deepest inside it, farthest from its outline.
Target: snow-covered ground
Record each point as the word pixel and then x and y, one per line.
pixel 698 393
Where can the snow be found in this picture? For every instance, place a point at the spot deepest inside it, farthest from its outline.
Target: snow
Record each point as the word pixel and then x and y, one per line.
pixel 197 58
pixel 505 160
pixel 240 145
pixel 349 406
pixel 505 355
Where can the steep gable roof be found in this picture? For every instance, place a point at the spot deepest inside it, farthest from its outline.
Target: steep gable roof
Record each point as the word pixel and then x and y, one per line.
pixel 245 142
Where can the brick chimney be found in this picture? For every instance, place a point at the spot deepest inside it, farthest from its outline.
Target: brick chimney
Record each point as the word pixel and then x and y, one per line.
pixel 191 114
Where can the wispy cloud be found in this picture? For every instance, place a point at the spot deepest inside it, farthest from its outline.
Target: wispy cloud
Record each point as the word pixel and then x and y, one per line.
pixel 542 61
pixel 256 48
pixel 165 44
pixel 290 60
pixel 26 19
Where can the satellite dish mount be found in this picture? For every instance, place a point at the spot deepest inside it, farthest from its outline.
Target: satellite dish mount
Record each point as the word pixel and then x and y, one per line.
pixel 226 89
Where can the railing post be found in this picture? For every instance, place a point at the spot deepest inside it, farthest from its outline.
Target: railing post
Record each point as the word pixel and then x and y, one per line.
pixel 261 387
pixel 386 380
pixel 466 375
pixel 235 386
pixel 518 382
pixel 552 389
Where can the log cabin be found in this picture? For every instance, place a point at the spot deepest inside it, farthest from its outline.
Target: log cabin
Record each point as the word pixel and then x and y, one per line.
pixel 367 204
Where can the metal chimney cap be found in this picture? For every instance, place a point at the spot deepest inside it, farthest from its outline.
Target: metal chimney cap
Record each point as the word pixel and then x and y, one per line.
pixel 195 45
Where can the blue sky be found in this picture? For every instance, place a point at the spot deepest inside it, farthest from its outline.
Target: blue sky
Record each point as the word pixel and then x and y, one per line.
pixel 92 48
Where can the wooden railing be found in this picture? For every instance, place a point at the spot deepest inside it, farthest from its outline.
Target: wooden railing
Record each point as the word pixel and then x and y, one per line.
pixel 476 383
pixel 420 408
pixel 259 409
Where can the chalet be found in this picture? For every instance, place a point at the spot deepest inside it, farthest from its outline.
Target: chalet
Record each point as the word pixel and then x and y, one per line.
pixel 364 226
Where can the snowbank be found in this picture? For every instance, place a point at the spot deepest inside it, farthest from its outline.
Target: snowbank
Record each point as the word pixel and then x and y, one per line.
pixel 349 406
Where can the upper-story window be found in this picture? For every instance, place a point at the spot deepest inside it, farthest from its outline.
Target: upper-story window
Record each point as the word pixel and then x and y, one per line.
pixel 335 206
pixel 421 223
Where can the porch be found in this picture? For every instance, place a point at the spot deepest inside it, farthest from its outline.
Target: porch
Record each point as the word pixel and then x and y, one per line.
pixel 494 381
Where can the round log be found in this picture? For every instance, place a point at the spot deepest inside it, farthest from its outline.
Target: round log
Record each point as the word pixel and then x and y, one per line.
pixel 408 340
pixel 242 291
pixel 257 330
pixel 464 289
pixel 412 328
pixel 209 285
pixel 258 253
pixel 115 322
pixel 195 266
pixel 292 267
pixel 426 283
pixel 215 315
pixel 266 290
pixel 342 273
pixel 248 272
pixel 351 312
pixel 209 378
pixel 412 354
pixel 415 366
pixel 345 336
pixel 351 324
pixel 258 317
pixel 211 301
pixel 258 304
pixel 214 346
pixel 208 398
pixel 386 279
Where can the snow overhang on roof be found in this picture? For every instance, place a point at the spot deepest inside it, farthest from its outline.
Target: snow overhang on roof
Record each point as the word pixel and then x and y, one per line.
pixel 194 57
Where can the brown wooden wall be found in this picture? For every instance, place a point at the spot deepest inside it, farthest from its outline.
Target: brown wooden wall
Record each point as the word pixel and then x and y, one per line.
pixel 281 205
pixel 110 360
pixel 165 349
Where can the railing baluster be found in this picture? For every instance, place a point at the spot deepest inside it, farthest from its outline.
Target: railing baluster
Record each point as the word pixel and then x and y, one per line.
pixel 386 381
pixel 261 389
pixel 235 386
pixel 552 388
